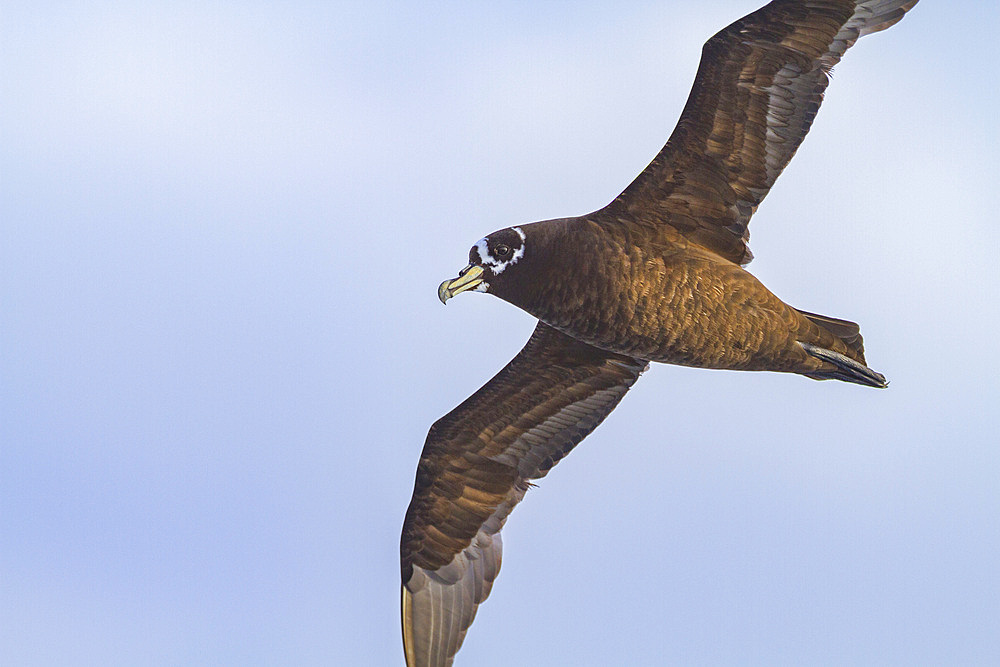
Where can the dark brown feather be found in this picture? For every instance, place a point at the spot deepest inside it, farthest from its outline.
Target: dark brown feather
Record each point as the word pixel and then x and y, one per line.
pixel 476 465
pixel 757 91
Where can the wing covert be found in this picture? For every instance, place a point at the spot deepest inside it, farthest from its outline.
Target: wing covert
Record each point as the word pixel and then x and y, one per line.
pixel 477 464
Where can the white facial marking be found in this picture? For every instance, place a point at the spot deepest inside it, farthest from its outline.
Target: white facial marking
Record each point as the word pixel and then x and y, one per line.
pixel 494 264
pixel 484 251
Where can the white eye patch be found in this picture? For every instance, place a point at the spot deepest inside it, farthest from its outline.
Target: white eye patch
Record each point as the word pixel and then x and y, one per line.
pixel 498 266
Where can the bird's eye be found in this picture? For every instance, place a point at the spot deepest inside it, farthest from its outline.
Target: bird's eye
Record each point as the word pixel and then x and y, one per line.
pixel 502 251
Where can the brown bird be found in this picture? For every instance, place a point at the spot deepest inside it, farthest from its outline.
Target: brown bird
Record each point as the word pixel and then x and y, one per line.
pixel 656 275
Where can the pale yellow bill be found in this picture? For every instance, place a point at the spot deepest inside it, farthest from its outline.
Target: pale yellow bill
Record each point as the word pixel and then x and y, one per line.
pixel 468 278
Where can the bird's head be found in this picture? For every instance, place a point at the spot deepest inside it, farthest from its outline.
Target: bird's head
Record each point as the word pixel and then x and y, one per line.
pixel 492 261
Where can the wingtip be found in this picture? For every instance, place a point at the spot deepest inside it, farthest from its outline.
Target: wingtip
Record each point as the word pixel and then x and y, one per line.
pixel 888 17
pixel 406 617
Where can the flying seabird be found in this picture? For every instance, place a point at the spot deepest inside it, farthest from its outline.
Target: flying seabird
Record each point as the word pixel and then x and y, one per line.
pixel 656 275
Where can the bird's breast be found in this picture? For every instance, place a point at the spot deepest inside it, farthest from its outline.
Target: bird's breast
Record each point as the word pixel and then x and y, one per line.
pixel 670 304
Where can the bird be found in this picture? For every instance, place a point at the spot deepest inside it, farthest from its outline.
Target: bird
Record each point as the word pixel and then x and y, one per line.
pixel 657 275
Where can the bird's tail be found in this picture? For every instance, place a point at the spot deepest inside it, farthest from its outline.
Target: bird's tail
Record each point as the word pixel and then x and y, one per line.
pixel 844 368
pixel 849 333
pixel 850 367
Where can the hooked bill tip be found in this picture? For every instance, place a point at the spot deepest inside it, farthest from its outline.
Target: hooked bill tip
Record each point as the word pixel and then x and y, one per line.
pixel 443 292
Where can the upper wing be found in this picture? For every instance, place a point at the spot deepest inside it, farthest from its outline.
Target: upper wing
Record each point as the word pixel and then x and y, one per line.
pixel 476 465
pixel 758 88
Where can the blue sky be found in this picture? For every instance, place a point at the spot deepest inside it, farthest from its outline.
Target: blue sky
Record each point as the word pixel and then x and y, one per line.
pixel 222 231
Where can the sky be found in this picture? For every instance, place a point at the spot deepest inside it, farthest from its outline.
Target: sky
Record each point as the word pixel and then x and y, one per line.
pixel 222 227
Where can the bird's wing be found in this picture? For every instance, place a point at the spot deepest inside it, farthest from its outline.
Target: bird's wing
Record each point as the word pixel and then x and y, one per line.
pixel 476 465
pixel 758 88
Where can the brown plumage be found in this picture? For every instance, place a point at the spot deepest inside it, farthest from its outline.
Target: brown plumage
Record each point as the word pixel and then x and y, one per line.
pixel 475 467
pixel 654 276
